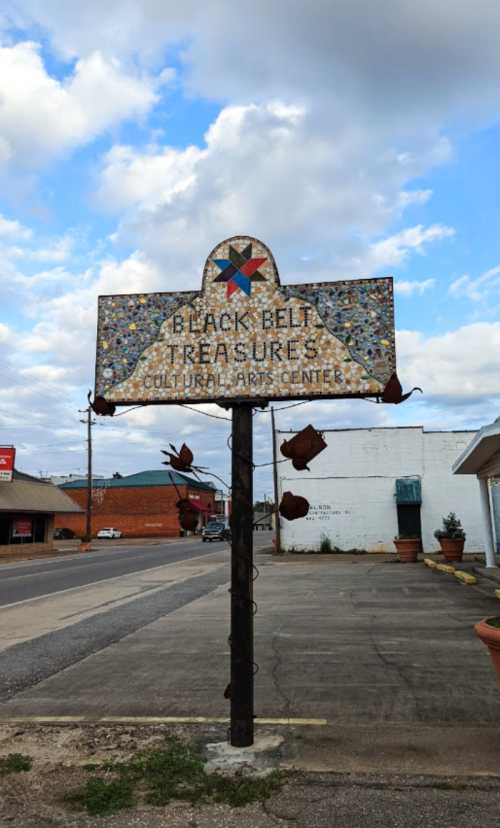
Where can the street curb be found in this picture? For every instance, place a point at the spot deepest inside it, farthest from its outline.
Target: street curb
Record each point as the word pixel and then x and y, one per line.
pixel 154 720
pixel 449 569
pixel 466 577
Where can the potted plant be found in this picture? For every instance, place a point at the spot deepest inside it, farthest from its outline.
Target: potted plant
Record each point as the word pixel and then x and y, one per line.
pixel 408 547
pixel 451 538
pixel 488 630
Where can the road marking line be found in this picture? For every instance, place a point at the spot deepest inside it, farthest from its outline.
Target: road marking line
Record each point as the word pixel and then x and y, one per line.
pixel 155 720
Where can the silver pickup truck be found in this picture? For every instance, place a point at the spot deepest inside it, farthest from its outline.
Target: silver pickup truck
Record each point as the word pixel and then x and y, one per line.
pixel 215 530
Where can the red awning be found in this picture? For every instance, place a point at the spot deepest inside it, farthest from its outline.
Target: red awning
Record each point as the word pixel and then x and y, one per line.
pixel 199 508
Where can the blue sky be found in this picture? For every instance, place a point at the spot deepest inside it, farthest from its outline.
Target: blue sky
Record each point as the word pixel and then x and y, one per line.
pixel 355 139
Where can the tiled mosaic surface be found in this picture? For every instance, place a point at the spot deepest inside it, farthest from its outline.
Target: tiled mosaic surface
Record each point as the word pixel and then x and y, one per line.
pixel 245 336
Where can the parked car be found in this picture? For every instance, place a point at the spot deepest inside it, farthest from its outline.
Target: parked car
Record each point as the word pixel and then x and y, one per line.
pixel 109 533
pixel 215 530
pixel 63 534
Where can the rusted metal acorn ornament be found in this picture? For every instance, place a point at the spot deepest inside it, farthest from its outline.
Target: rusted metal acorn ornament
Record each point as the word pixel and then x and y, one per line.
pixel 293 506
pixel 303 447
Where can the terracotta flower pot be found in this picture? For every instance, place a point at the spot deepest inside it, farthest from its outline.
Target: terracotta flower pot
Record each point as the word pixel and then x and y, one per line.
pixel 490 636
pixel 408 549
pixel 452 548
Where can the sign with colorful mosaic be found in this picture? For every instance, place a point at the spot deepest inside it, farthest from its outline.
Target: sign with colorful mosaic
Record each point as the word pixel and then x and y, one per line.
pixel 246 336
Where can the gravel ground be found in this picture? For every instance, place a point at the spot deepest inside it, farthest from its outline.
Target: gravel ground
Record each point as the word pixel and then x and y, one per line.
pixel 333 800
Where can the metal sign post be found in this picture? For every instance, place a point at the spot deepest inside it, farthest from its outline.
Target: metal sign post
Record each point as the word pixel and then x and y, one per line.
pixel 246 339
pixel 242 661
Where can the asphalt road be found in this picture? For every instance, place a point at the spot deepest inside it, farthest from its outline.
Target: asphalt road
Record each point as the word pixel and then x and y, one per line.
pixel 21 582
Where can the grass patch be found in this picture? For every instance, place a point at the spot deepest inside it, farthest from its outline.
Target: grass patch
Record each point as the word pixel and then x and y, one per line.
pixel 15 763
pixel 162 775
pixel 100 796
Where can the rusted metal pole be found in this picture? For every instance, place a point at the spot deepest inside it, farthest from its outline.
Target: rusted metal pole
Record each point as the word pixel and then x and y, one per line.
pixel 242 661
pixel 277 547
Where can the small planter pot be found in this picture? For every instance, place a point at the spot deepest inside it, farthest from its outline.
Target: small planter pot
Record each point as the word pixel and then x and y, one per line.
pixel 408 549
pixel 452 548
pixel 490 636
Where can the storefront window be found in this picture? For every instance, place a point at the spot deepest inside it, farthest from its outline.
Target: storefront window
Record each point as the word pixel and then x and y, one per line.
pixel 27 529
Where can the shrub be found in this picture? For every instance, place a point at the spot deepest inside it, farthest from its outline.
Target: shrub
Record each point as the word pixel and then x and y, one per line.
pixel 325 546
pixel 452 528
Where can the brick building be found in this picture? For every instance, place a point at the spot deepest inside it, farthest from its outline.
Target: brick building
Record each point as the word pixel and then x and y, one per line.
pixel 140 505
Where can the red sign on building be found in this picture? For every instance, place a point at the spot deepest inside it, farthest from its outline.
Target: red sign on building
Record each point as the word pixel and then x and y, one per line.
pixel 22 528
pixel 7 457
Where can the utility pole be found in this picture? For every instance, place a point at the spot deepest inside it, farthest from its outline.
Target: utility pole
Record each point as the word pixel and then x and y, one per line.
pixel 88 515
pixel 277 548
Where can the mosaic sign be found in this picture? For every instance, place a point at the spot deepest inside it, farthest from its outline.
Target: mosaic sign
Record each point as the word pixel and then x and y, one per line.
pixel 246 336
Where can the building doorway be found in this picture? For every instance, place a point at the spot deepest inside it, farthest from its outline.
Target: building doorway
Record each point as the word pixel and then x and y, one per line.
pixel 408 503
pixel 409 524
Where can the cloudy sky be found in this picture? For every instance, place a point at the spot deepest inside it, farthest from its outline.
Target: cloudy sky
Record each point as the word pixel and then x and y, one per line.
pixel 354 138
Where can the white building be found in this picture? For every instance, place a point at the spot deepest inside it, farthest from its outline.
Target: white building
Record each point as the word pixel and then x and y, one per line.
pixel 482 458
pixel 372 484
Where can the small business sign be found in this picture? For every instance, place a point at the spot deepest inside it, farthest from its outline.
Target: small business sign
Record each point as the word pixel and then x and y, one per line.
pixel 22 528
pixel 245 336
pixel 7 458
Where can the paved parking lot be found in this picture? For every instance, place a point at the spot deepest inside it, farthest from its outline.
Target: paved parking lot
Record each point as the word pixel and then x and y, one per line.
pixel 384 652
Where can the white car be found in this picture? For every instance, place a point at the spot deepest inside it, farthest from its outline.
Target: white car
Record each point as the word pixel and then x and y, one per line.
pixel 109 533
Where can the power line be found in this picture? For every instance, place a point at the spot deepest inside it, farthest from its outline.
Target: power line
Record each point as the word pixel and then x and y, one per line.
pixel 283 407
pixel 206 413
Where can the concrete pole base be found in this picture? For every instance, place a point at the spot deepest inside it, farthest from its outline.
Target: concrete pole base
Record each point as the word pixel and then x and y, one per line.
pixel 260 759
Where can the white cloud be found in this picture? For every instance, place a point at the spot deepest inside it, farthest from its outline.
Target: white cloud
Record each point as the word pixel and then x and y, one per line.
pixel 477 290
pixel 130 178
pixel 67 321
pixel 58 251
pixel 272 171
pixel 411 197
pixel 41 116
pixel 408 288
pixel 461 365
pixel 396 58
pixel 395 249
pixel 4 333
pixel 329 118
pixel 10 229
pixel 44 373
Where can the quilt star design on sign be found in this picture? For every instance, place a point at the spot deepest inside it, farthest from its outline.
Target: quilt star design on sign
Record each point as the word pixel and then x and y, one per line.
pixel 240 270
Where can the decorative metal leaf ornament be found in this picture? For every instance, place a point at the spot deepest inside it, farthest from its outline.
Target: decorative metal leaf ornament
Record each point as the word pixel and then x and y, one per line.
pixel 180 461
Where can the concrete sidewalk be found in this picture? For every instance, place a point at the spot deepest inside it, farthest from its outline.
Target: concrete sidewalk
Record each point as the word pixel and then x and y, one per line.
pixel 383 652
